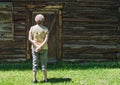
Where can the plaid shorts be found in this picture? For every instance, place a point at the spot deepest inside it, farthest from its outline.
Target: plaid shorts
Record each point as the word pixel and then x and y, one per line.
pixel 39 56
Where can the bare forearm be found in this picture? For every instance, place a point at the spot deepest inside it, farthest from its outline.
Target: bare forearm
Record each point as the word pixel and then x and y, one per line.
pixel 41 45
pixel 46 39
pixel 33 42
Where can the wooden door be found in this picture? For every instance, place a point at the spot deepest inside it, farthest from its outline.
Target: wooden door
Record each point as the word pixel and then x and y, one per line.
pixel 52 22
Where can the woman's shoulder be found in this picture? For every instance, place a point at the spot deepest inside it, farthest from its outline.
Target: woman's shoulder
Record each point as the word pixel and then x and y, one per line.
pixel 44 27
pixel 34 26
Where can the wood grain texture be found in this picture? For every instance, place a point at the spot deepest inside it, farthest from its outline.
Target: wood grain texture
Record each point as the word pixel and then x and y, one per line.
pixel 89 30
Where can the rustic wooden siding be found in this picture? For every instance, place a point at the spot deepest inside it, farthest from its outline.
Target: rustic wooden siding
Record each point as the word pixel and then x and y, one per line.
pixel 90 30
pixel 13 51
pixel 6 22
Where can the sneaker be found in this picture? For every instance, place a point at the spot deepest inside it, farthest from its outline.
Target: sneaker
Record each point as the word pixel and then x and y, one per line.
pixel 44 80
pixel 35 81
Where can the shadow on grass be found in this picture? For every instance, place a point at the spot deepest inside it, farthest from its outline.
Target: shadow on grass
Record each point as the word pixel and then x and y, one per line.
pixel 60 65
pixel 57 80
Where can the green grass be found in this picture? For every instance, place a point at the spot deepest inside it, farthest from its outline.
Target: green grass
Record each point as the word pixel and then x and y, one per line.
pixel 92 73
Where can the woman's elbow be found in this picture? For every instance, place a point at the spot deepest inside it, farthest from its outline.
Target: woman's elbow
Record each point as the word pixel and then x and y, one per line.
pixel 30 39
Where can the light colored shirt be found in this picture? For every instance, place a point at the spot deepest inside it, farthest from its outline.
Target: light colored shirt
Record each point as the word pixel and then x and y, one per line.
pixel 39 33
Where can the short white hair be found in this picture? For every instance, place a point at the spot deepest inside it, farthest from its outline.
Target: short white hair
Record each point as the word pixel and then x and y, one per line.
pixel 39 17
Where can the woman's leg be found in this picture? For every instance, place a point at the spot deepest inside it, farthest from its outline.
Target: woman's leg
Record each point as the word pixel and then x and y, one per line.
pixel 35 65
pixel 43 59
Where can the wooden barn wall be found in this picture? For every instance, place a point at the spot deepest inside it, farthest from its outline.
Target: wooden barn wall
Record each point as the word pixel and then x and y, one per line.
pixel 15 50
pixel 90 30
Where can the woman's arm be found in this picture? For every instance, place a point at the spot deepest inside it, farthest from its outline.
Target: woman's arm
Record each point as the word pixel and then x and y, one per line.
pixel 41 45
pixel 30 38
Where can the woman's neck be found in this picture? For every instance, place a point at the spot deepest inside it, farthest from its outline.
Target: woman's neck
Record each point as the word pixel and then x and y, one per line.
pixel 39 24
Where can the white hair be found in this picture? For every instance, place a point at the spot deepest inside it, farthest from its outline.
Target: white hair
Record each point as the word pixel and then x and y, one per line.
pixel 39 17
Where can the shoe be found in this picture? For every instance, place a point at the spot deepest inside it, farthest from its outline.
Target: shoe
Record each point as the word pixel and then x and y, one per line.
pixel 44 80
pixel 35 81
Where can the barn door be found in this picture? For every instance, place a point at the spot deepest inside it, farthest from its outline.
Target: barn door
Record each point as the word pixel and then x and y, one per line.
pixel 52 22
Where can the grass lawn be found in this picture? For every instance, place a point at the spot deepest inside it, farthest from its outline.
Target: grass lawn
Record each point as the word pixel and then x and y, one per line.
pixel 92 73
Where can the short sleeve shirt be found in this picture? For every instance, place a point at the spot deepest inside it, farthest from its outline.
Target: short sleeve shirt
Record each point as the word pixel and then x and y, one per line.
pixel 39 33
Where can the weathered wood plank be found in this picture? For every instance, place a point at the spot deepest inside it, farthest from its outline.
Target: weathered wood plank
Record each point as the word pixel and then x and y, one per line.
pixel 12 60
pixel 93 4
pixel 13 50
pixel 89 42
pixel 90 33
pixel 68 24
pixel 113 37
pixel 90 28
pixel 11 56
pixel 74 48
pixel 90 56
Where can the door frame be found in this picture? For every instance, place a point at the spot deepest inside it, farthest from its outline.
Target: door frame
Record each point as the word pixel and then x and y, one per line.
pixel 56 8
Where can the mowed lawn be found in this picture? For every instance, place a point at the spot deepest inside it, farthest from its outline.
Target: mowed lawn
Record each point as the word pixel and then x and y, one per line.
pixel 90 73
